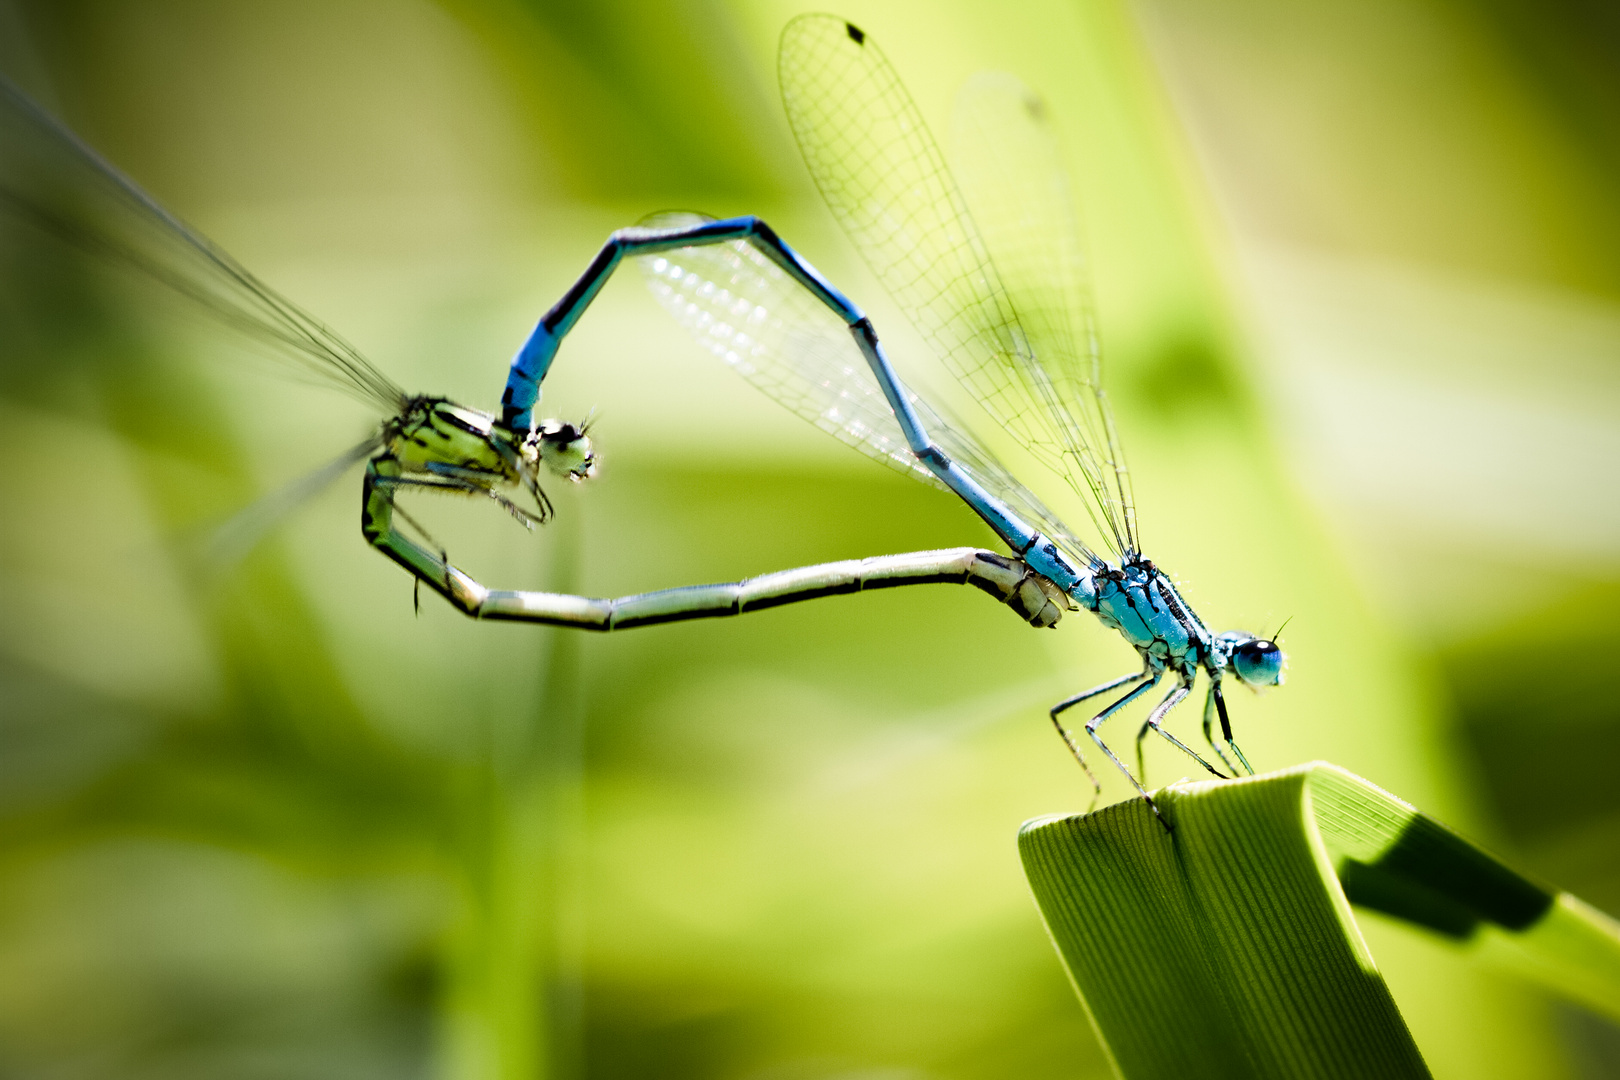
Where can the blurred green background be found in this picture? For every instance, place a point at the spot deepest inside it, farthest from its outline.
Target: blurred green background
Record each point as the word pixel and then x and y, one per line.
pixel 1358 268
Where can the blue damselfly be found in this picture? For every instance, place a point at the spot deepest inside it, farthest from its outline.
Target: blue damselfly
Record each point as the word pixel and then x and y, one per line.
pixel 987 263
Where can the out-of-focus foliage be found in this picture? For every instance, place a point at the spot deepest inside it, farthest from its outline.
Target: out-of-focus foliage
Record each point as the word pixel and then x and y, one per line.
pixel 1253 963
pixel 1422 198
pixel 270 823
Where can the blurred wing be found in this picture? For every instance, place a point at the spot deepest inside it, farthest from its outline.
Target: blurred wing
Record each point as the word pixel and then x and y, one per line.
pixel 52 180
pixel 742 307
pixel 1006 157
pixel 241 534
pixel 884 179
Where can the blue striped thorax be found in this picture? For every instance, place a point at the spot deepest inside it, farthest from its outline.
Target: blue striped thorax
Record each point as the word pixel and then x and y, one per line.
pixel 1142 604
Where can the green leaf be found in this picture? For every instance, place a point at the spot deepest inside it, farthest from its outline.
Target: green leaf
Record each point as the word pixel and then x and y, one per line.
pixel 1228 948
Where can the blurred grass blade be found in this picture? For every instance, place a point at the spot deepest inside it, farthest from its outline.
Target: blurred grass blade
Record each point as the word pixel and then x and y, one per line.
pixel 1230 950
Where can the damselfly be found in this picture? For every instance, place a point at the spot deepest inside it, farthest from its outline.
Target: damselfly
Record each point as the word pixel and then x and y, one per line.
pixel 51 180
pixel 988 265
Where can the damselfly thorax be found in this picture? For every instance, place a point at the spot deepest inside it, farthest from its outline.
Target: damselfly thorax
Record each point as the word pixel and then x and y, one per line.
pixel 1141 602
pixel 439 445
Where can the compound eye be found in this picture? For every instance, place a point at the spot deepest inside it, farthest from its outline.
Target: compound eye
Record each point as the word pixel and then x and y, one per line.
pixel 1259 662
pixel 560 433
pixel 566 450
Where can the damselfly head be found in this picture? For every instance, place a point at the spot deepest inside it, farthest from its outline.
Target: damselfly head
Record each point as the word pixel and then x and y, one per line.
pixel 565 449
pixel 1259 662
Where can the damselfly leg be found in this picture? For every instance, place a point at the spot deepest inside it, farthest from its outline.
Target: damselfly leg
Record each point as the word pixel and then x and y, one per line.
pixel 51 180
pixel 1209 727
pixel 1155 722
pixel 458 485
pixel 1215 704
pixel 1086 695
pixel 1152 674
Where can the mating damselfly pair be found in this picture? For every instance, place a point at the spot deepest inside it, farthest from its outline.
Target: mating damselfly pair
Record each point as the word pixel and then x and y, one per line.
pixel 986 263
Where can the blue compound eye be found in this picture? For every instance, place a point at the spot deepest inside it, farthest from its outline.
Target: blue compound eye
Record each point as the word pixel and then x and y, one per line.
pixel 1259 662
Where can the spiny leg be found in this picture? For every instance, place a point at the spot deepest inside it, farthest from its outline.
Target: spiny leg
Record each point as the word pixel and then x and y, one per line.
pixel 1209 728
pixel 1141 755
pixel 458 485
pixel 1226 727
pixel 474 482
pixel 421 530
pixel 524 518
pixel 1068 740
pixel 433 483
pixel 1096 721
pixel 541 499
pixel 1155 721
pixel 531 484
pixel 392 483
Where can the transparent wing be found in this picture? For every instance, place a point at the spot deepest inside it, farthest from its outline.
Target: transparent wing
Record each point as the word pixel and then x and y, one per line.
pixel 742 307
pixel 231 542
pixel 52 180
pixel 884 179
pixel 1005 156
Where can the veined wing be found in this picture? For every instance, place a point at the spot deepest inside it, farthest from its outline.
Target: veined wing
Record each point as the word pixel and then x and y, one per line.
pixel 51 179
pixel 1005 155
pixel 884 179
pixel 745 310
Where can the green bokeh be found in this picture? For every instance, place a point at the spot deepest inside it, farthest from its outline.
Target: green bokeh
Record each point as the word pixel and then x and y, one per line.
pixel 272 824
